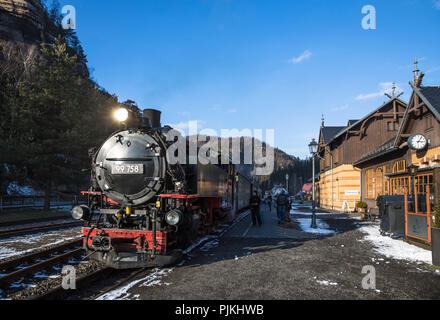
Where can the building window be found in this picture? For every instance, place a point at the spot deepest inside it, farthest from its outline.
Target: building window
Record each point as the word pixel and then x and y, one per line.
pixel 393 126
pixel 399 166
pixel 386 184
pixel 379 181
pixel 398 185
pixel 369 184
pixel 422 181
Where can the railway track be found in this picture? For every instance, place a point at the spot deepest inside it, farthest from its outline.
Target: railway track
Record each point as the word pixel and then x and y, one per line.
pixel 90 284
pixel 25 267
pixel 31 230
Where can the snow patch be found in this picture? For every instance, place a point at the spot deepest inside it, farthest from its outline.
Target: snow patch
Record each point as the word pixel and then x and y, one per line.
pixel 322 226
pixel 395 249
pixel 153 279
pixel 326 283
pixel 7 247
pixel 16 190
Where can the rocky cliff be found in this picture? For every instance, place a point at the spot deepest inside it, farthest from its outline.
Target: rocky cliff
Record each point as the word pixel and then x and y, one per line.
pixel 21 21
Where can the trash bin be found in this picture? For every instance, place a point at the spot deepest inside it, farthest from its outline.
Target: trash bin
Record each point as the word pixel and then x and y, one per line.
pixel 392 212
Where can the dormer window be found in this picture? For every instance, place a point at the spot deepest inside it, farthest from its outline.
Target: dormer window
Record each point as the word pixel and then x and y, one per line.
pixel 392 126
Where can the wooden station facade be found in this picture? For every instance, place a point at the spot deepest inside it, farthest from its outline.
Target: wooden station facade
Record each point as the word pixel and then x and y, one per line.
pixel 370 157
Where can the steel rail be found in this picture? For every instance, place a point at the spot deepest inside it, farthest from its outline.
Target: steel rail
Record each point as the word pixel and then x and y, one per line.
pixel 35 255
pixel 6 280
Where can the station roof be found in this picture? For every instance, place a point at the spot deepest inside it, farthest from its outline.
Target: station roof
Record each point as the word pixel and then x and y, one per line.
pixel 328 133
pixel 381 150
pixel 352 122
pixel 331 133
pixel 432 94
pixel 431 97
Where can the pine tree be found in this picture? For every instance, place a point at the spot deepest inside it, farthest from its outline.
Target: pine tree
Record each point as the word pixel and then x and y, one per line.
pixel 58 119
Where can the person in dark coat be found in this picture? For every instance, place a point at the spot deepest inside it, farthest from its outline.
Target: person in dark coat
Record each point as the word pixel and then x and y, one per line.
pixel 282 202
pixel 269 202
pixel 254 203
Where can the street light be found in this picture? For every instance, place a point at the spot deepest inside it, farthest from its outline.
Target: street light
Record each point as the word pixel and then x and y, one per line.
pixel 313 148
pixel 287 182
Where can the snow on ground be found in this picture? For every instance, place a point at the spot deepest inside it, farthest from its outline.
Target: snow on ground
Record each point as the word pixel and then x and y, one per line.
pixel 323 227
pixel 395 249
pixel 29 243
pixel 326 283
pixel 209 245
pixel 153 279
pixel 195 245
pixel 15 189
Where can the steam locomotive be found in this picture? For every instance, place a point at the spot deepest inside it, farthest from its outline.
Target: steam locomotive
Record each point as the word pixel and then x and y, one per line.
pixel 143 211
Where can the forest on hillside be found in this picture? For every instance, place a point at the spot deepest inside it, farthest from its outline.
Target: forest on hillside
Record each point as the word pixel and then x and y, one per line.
pixel 52 112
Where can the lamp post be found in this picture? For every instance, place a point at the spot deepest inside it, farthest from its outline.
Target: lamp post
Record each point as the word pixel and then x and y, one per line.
pixel 287 182
pixel 313 148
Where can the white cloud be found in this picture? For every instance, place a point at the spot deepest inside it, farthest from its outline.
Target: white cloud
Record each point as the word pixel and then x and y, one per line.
pixel 437 4
pixel 341 108
pixel 384 87
pixel 305 55
pixel 232 110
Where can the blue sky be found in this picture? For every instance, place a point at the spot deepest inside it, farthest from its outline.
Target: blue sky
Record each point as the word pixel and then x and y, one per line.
pixel 258 64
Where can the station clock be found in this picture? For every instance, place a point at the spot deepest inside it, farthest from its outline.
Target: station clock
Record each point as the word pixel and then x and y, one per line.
pixel 418 142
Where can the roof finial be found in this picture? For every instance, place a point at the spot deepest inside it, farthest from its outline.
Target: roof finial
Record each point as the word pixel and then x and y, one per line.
pixel 393 92
pixel 322 121
pixel 416 70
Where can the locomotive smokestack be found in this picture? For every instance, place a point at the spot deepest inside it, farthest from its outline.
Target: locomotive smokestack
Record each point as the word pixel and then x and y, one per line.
pixel 154 117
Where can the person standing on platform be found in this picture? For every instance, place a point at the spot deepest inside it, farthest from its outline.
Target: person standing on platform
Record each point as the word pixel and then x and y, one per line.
pixel 269 202
pixel 254 203
pixel 282 203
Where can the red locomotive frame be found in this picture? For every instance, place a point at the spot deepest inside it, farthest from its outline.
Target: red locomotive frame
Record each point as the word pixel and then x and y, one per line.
pixel 149 250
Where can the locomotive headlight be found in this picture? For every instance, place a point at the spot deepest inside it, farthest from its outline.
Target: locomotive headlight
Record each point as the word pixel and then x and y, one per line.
pixel 81 212
pixel 173 218
pixel 121 115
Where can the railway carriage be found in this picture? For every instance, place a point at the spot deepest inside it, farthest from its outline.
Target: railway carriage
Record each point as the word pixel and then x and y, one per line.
pixel 141 210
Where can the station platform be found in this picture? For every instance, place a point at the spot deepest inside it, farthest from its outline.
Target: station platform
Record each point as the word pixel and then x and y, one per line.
pixel 269 229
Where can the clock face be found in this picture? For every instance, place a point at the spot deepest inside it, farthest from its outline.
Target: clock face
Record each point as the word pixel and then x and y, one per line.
pixel 418 142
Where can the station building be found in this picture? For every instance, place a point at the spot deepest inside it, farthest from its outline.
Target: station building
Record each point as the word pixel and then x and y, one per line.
pixel 340 147
pixel 371 156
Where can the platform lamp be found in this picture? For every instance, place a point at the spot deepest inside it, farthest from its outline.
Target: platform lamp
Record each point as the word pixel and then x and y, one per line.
pixel 287 182
pixel 413 169
pixel 313 148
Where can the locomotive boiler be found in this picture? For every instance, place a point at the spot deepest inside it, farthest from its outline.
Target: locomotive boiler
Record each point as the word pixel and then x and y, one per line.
pixel 143 211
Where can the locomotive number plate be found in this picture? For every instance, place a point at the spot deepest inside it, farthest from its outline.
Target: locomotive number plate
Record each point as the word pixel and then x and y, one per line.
pixel 128 169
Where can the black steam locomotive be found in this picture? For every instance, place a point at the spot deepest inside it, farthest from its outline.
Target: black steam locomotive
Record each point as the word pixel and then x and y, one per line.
pixel 142 211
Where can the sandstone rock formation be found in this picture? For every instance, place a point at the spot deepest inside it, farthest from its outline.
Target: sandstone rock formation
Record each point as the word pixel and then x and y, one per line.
pixel 21 21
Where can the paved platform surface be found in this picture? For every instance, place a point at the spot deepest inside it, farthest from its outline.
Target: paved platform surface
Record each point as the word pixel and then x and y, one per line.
pixel 269 229
pixel 273 262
